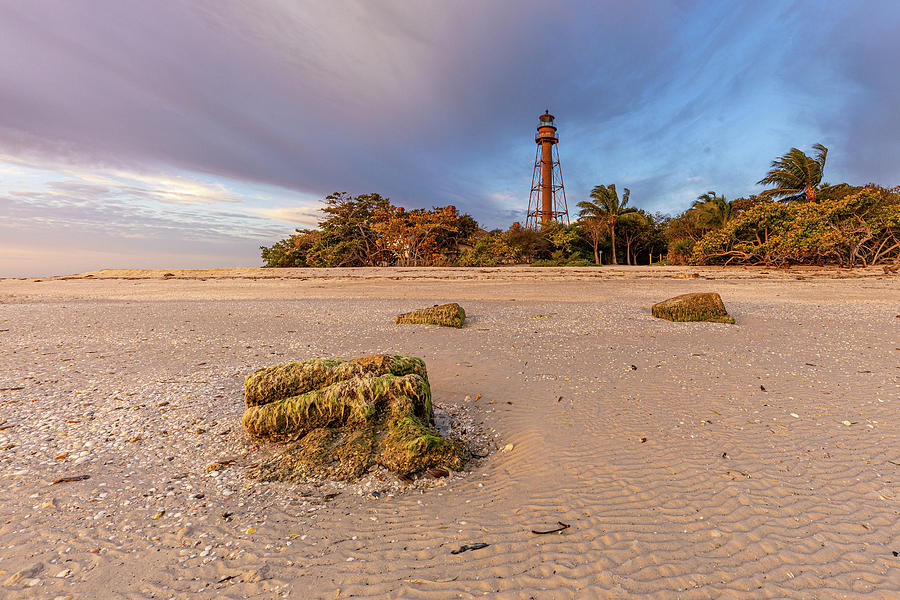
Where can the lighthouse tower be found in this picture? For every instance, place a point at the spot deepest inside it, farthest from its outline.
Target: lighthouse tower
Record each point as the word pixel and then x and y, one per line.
pixel 547 201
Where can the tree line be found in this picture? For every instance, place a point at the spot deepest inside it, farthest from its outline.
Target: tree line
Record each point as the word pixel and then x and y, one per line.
pixel 800 220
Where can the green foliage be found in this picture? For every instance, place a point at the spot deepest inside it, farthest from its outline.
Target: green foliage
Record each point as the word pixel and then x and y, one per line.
pixel 562 240
pixel 348 239
pixel 796 175
pixel 483 253
pixel 580 262
pixel 713 211
pixel 291 251
pixel 555 242
pixel 680 251
pixel 862 227
pixel 606 208
pixel 367 230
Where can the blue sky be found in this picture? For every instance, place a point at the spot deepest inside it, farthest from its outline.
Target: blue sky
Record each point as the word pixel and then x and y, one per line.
pixel 186 134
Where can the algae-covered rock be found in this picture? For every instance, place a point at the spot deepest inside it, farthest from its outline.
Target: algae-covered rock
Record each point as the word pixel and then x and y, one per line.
pixel 342 417
pixel 281 381
pixel 704 306
pixel 446 315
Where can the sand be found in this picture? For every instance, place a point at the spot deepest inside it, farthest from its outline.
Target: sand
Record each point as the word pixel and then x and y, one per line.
pixel 691 460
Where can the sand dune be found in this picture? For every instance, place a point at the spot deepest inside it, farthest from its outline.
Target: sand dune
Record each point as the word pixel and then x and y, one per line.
pixel 691 460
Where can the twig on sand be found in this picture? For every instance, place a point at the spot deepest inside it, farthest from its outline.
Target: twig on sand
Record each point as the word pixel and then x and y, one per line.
pixel 467 547
pixel 420 581
pixel 562 527
pixel 69 478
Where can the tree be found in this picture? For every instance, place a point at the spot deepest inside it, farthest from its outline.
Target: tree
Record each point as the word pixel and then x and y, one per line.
pixel 861 226
pixel 608 208
pixel 713 211
pixel 419 236
pixel 291 251
pixel 593 229
pixel 635 228
pixel 796 175
pixel 347 237
pixel 367 230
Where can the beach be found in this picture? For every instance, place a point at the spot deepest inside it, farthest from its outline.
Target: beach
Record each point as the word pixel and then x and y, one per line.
pixel 689 460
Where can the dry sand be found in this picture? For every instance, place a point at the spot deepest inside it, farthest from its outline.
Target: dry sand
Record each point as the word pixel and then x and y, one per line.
pixel 691 460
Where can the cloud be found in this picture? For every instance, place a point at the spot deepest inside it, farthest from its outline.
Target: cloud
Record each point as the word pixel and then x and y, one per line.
pixel 306 217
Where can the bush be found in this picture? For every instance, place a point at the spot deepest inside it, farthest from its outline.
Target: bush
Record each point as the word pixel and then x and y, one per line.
pixel 580 262
pixel 680 251
pixel 859 228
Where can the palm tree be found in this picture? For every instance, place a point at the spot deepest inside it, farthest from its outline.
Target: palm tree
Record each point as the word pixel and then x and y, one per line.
pixel 713 210
pixel 607 208
pixel 796 175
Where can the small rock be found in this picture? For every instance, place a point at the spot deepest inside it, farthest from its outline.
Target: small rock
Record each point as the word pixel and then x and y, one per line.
pixel 446 315
pixel 693 307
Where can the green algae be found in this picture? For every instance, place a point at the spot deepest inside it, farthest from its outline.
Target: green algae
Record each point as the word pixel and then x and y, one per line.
pixel 354 402
pixel 291 379
pixel 445 315
pixel 704 306
pixel 348 416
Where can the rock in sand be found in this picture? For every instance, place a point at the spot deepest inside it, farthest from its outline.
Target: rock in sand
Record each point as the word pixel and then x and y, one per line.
pixel 342 417
pixel 446 315
pixel 704 306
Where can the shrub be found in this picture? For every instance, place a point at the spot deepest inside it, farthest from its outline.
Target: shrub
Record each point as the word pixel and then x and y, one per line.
pixel 680 251
pixel 858 228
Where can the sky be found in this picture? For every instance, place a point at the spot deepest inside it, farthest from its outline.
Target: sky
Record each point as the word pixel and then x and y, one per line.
pixel 185 134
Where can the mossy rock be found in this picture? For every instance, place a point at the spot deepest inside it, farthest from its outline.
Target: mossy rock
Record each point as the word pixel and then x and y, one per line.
pixel 704 306
pixel 445 315
pixel 342 417
pixel 294 378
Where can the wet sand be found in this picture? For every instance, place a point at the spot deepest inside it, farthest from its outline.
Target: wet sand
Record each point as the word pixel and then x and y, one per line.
pixel 691 460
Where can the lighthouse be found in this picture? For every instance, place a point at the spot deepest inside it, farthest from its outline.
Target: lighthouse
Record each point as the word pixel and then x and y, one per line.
pixel 547 201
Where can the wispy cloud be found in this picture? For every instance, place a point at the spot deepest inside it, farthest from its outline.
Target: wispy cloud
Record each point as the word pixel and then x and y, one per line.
pixel 304 216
